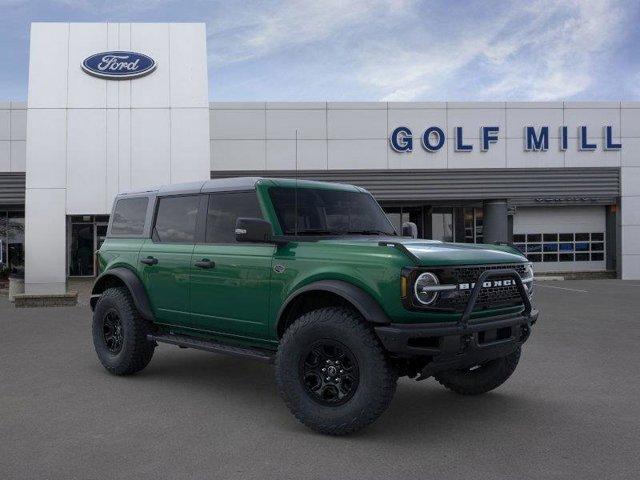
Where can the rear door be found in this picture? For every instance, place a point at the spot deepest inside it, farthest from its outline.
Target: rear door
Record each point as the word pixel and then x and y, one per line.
pixel 165 259
pixel 230 281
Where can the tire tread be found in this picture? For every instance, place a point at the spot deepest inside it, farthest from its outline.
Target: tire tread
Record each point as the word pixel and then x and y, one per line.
pixel 329 316
pixel 139 350
pixel 457 382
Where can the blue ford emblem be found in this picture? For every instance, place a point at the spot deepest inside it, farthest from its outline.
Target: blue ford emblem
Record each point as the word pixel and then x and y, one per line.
pixel 118 65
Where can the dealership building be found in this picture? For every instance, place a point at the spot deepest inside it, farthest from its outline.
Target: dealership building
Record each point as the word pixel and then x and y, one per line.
pixel 114 107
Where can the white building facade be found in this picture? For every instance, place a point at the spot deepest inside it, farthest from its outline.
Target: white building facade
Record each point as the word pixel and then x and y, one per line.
pixel 561 180
pixel 89 138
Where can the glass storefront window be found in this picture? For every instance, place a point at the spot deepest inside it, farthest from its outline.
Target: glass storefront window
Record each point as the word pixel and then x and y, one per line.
pixel 469 230
pixel 11 242
pixel 86 235
pixel 473 219
pixel 400 215
pixel 15 241
pixel 81 251
pixel 479 223
pixel 561 247
pixel 395 217
pixel 4 268
pixel 449 224
pixel 442 227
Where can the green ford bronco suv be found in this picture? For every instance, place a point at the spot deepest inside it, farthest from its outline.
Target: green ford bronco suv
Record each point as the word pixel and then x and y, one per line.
pixel 313 277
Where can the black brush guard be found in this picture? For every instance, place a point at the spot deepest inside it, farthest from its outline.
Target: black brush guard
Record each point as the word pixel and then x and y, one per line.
pixel 468 341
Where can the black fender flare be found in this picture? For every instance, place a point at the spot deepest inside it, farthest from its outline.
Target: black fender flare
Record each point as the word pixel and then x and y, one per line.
pixel 366 305
pixel 133 284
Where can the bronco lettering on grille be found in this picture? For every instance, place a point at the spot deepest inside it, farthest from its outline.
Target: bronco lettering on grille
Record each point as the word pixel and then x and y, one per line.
pixel 488 284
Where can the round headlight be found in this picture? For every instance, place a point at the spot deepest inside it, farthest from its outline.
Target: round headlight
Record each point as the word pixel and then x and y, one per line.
pixel 528 278
pixel 423 293
pixel 528 271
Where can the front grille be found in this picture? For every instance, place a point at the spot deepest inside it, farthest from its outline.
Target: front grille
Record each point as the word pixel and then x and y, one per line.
pixel 490 297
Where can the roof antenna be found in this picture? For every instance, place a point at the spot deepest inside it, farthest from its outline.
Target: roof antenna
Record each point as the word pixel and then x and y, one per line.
pixel 295 224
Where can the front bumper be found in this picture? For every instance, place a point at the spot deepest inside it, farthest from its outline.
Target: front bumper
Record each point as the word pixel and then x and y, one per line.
pixel 455 346
pixel 465 343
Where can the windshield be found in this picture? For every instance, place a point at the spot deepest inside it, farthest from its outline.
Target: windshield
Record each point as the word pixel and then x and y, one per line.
pixel 328 212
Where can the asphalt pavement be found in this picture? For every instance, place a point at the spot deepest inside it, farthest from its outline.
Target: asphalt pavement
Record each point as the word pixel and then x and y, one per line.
pixel 571 410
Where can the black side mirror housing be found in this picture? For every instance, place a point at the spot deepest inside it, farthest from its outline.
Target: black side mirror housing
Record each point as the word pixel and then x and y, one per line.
pixel 254 230
pixel 409 229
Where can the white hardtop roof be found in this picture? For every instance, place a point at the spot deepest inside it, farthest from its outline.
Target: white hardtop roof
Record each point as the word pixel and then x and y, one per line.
pixel 223 184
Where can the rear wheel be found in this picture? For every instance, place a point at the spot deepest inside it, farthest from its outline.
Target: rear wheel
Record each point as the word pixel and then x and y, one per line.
pixel 120 333
pixel 480 378
pixel 332 372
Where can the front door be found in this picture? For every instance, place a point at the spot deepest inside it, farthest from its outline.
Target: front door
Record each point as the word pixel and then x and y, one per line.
pixel 165 259
pixel 230 281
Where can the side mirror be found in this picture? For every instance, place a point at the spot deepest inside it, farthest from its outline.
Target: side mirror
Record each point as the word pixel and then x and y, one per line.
pixel 255 230
pixel 409 229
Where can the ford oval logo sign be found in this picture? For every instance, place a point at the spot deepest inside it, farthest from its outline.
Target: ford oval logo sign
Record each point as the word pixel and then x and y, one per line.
pixel 118 65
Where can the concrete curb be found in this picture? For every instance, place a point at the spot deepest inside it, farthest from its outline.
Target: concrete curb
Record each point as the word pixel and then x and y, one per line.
pixel 24 300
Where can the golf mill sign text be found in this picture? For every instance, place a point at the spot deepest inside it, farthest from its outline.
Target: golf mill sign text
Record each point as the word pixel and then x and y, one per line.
pixel 536 139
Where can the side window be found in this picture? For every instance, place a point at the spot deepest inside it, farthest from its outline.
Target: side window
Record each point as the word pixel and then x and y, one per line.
pixel 176 219
pixel 129 215
pixel 224 210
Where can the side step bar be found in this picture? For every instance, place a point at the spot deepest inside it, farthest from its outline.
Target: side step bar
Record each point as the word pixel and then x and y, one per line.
pixel 184 341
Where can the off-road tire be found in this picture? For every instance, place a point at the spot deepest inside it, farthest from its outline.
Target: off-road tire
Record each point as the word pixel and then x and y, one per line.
pixel 482 379
pixel 136 351
pixel 377 378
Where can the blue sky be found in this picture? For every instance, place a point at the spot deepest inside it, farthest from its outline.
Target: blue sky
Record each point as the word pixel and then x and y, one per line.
pixel 361 50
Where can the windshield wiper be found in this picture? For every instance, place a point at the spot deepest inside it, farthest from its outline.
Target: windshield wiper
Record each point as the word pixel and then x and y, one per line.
pixel 322 231
pixel 370 232
pixel 317 231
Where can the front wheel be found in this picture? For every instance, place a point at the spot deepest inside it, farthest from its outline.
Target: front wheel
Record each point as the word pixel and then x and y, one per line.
pixel 332 372
pixel 480 378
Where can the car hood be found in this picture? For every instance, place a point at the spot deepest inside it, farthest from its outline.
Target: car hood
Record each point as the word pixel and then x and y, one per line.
pixel 433 252
pixel 462 253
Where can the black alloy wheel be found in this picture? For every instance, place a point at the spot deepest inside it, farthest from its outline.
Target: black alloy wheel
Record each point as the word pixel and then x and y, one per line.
pixel 120 333
pixel 332 371
pixel 329 372
pixel 112 331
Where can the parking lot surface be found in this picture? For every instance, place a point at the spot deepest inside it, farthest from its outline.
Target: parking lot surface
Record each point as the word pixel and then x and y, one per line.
pixel 571 410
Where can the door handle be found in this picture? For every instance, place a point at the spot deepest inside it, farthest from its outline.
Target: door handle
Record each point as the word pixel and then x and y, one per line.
pixel 149 260
pixel 204 263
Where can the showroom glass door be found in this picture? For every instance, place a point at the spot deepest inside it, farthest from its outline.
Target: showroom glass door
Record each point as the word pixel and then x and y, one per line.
pixel 11 243
pixel 15 242
pixel 81 263
pixel 100 236
pixel 473 225
pixel 86 234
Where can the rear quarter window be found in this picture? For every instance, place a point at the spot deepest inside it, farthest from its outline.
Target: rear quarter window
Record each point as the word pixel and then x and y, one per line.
pixel 129 216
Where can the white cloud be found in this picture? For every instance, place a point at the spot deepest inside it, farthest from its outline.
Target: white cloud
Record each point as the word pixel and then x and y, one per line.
pixel 395 49
pixel 406 50
pixel 569 50
pixel 260 29
pixel 104 7
pixel 547 50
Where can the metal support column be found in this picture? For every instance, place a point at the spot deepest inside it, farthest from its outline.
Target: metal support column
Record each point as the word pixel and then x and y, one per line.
pixel 496 226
